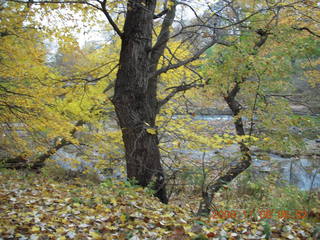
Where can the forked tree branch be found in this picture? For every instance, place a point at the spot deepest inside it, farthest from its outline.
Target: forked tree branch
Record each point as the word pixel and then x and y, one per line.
pixel 181 88
pixel 191 59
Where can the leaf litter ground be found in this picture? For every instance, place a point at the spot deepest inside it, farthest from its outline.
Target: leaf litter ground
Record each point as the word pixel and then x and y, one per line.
pixel 34 207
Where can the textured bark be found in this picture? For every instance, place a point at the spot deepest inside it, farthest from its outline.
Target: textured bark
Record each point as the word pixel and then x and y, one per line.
pixel 135 97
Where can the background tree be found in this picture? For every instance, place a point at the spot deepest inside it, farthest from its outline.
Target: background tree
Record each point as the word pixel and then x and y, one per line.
pixel 44 107
pixel 254 77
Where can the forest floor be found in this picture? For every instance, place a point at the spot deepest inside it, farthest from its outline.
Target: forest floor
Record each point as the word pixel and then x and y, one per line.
pixel 34 206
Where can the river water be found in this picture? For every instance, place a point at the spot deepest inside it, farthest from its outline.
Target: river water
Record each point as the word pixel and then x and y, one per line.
pixel 303 171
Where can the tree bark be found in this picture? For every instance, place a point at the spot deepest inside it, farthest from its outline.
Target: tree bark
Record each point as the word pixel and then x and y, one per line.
pixel 246 160
pixel 240 166
pixel 135 98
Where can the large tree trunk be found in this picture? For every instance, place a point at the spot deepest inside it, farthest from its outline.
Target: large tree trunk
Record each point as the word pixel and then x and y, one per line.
pixel 135 98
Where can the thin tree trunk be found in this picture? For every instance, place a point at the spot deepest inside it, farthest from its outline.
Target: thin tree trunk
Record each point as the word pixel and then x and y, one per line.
pixel 233 171
pixel 246 159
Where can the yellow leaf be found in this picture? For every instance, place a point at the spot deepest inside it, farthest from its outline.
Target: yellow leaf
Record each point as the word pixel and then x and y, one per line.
pixel 95 235
pixel 191 234
pixel 35 229
pixel 151 131
pixel 113 201
pixel 171 4
pixel 112 227
pixel 76 205
pixel 130 227
pixel 123 218
pixel 60 230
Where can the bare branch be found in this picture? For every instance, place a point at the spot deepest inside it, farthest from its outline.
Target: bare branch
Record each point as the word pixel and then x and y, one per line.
pixel 103 76
pixel 103 9
pixel 159 15
pixel 192 9
pixel 181 88
pixel 187 67
pixel 191 59
pixel 113 24
pixel 78 76
pixel 308 30
pixel 14 93
pixel 111 85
